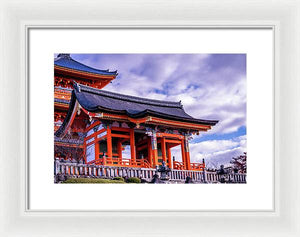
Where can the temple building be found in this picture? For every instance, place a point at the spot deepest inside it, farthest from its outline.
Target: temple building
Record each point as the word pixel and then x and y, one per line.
pixel 108 122
pixel 67 71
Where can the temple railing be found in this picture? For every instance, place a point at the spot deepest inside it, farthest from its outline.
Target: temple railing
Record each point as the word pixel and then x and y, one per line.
pixel 197 166
pixel 109 161
pixel 178 165
pixel 208 177
pixel 194 166
pixel 99 171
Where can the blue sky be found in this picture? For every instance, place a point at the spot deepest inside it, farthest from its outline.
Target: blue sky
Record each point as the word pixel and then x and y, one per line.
pixel 210 86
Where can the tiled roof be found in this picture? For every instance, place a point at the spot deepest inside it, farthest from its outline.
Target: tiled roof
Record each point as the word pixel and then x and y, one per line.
pixel 65 60
pixel 116 98
pixel 97 101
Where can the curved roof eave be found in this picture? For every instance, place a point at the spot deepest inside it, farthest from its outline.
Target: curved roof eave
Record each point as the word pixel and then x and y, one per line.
pixel 66 61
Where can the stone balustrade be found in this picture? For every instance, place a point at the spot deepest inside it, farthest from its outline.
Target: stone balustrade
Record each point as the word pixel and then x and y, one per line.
pixel 73 169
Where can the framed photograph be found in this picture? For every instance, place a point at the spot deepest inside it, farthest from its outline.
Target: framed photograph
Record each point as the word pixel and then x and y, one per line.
pixel 147 120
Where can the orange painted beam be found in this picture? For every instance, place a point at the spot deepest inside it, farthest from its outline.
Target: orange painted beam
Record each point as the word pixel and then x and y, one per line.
pixel 120 135
pixel 92 125
pixel 154 120
pixel 173 141
pixel 178 136
pixel 171 145
pixel 120 129
pixel 180 124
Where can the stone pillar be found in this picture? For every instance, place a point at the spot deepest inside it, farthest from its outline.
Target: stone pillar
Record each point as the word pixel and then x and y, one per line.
pixel 56 166
pixel 204 176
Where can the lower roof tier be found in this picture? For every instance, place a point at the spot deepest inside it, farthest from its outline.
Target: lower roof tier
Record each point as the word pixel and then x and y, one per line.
pixel 107 105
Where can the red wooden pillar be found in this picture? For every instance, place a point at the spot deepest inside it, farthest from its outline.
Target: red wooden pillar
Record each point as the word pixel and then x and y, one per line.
pixel 187 154
pixel 169 157
pixel 154 149
pixel 183 154
pixel 96 150
pixel 163 149
pixel 109 142
pixel 132 146
pixel 150 159
pixel 119 148
pixel 188 162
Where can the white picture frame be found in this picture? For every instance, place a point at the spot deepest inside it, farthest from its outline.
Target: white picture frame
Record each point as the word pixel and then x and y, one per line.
pixel 281 15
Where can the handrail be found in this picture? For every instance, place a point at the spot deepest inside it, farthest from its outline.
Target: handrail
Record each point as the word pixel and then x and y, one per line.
pixel 178 165
pixel 122 162
pixel 198 166
pixel 194 166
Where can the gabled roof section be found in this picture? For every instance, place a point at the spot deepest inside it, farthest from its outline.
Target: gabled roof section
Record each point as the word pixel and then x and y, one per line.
pixel 65 61
pixel 95 100
pixel 99 101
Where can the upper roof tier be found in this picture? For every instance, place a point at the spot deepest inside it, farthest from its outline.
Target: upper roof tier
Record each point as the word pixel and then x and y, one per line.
pixel 94 100
pixel 65 61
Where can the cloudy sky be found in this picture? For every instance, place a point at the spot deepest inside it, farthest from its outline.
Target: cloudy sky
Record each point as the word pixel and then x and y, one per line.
pixel 210 86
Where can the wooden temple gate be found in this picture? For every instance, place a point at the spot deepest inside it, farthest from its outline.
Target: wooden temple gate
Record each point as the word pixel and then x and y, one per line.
pixel 148 148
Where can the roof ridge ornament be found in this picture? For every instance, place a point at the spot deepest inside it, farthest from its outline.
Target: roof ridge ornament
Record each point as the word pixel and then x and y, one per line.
pixel 180 103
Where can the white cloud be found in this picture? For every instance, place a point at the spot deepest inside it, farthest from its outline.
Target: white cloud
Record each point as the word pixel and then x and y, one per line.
pixel 215 152
pixel 206 92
